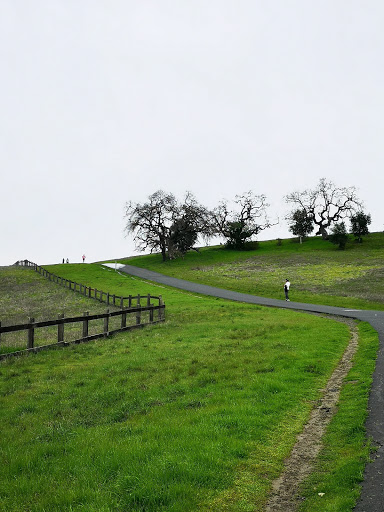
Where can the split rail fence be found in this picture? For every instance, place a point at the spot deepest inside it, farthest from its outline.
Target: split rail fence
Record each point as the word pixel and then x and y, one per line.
pixel 135 312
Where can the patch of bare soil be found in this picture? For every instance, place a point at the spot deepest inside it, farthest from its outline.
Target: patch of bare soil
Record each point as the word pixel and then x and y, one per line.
pixel 298 466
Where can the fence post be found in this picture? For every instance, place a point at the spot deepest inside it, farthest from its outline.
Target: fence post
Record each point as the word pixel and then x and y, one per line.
pixel 60 329
pixel 114 299
pixel 138 313
pixel 31 332
pixel 160 310
pixel 107 300
pixel 89 292
pixel 130 301
pixel 151 310
pixel 85 324
pixel 106 323
pixel 121 302
pixel 123 319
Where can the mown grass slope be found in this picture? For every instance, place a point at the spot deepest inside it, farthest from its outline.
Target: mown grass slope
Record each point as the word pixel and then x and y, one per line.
pixel 195 414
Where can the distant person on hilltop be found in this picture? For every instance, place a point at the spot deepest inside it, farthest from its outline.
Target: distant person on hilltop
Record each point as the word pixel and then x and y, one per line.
pixel 286 289
pixel 67 260
pixel 83 258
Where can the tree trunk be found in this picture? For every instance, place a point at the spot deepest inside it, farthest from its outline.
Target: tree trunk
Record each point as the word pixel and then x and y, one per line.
pixel 323 232
pixel 163 252
pixel 163 244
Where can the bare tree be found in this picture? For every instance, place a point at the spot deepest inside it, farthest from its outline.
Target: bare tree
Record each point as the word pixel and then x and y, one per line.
pixel 326 204
pixel 149 222
pixel 162 223
pixel 242 223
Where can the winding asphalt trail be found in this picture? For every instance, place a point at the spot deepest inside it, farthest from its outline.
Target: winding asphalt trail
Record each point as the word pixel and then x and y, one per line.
pixel 372 497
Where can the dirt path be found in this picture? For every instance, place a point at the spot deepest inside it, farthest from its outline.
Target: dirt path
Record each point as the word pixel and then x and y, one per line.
pixel 298 466
pixel 372 496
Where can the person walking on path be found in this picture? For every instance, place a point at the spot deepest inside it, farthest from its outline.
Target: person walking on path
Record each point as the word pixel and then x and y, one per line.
pixel 286 289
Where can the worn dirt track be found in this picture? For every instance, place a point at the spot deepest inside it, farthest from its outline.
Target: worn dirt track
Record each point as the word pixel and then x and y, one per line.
pixel 285 489
pixel 372 496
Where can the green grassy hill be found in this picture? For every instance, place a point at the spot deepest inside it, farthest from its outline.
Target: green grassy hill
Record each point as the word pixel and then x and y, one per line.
pixel 319 272
pixel 197 414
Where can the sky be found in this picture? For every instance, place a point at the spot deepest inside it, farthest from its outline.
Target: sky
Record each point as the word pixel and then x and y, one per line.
pixel 107 101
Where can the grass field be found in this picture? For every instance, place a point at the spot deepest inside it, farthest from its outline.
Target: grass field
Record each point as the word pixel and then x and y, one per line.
pixel 25 294
pixel 194 414
pixel 318 271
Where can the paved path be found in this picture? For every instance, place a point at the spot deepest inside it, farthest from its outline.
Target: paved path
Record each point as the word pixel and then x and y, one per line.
pixel 372 498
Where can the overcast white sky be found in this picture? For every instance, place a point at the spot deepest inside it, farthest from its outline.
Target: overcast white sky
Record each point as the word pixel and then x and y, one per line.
pixel 105 101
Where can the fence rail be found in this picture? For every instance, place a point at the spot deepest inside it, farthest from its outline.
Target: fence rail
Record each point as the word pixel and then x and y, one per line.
pixel 140 315
pixel 93 293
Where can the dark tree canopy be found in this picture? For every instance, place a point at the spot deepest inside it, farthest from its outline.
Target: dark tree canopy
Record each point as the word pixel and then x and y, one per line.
pixel 359 225
pixel 339 235
pixel 326 204
pixel 241 224
pixel 301 224
pixel 182 237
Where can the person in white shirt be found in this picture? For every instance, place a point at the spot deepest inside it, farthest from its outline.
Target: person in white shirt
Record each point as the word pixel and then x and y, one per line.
pixel 287 284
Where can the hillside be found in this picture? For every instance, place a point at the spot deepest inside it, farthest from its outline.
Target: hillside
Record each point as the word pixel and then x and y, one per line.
pixel 319 272
pixel 25 293
pixel 198 413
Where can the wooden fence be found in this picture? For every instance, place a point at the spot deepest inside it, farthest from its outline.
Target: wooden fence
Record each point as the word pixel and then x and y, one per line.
pixel 92 293
pixel 131 308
